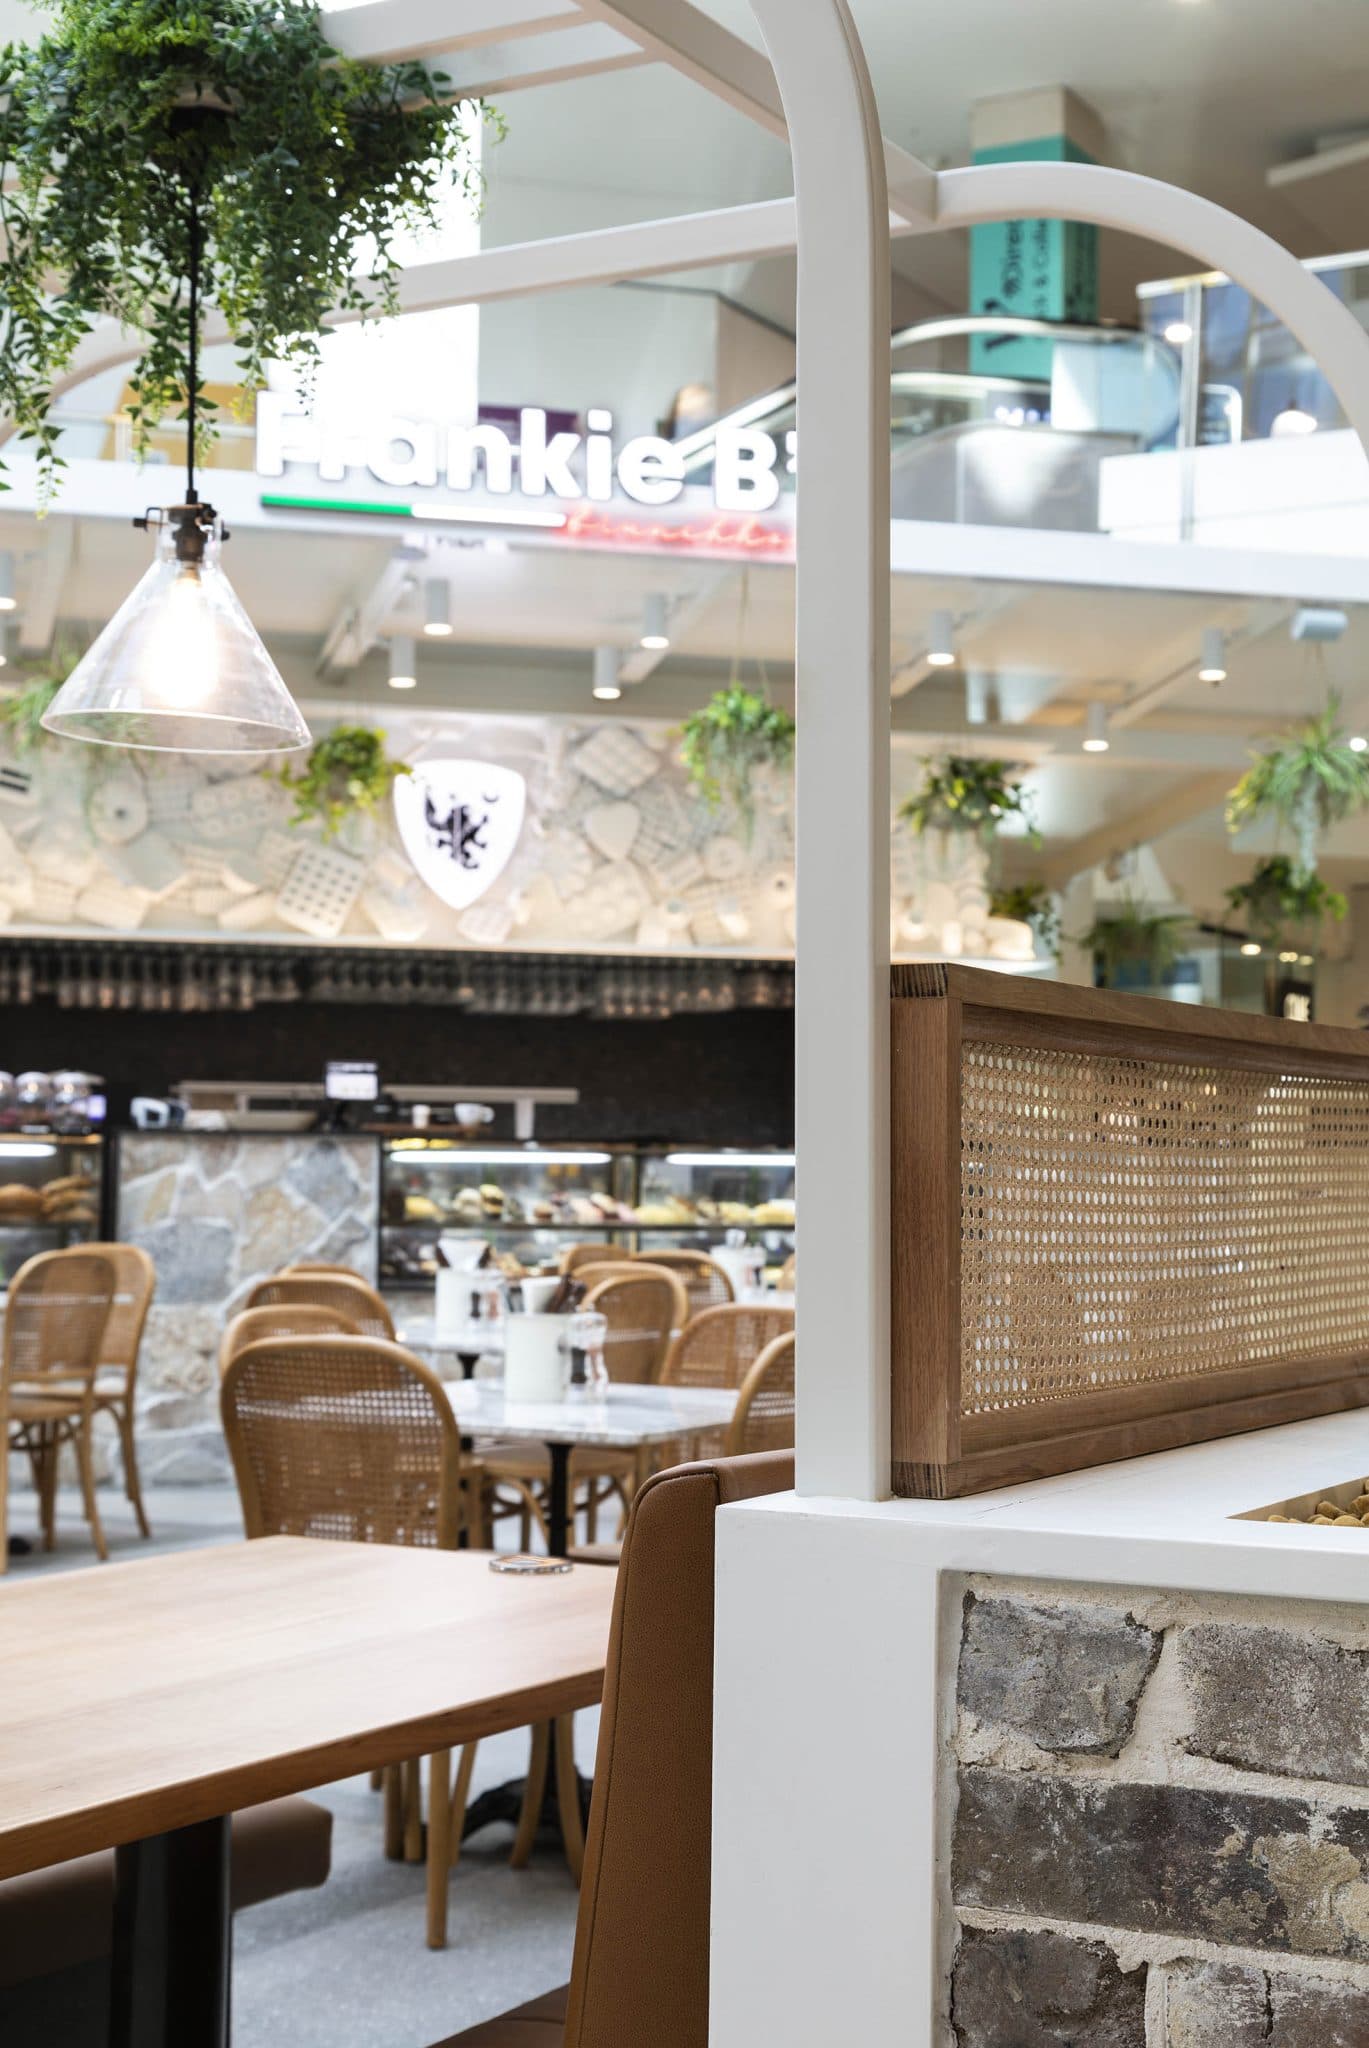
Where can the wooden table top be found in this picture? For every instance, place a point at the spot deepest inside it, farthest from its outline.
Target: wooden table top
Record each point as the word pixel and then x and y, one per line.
pixel 140 1697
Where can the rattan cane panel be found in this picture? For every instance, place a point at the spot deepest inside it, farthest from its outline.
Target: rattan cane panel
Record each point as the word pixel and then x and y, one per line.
pixel 1127 1222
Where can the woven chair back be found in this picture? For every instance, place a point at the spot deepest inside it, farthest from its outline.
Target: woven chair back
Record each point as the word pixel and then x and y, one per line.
pixel 282 1319
pixel 55 1316
pixel 343 1292
pixel 644 1305
pixel 348 1439
pixel 135 1283
pixel 764 1420
pixel 719 1347
pixel 706 1283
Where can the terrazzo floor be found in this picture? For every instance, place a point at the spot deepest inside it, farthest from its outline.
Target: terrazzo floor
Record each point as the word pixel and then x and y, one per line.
pixel 345 1966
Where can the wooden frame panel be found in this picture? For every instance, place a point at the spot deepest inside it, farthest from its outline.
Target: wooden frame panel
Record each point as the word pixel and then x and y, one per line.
pixel 1219 1226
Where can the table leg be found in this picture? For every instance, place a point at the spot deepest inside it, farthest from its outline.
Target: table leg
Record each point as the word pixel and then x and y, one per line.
pixel 558 1501
pixel 169 1978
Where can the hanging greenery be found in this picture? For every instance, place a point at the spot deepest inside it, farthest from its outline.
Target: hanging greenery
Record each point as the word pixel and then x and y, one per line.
pixel 1034 904
pixel 721 745
pixel 1309 781
pixel 345 772
pixel 1127 937
pixel 1276 895
pixel 21 713
pixel 131 118
pixel 962 793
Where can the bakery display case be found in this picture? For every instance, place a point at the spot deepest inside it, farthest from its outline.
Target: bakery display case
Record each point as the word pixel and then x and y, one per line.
pixel 530 1201
pixel 50 1194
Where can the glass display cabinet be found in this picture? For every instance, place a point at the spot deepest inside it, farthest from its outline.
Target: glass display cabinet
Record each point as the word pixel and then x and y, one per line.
pixel 50 1194
pixel 695 1197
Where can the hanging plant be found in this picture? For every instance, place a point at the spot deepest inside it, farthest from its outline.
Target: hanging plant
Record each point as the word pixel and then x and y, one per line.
pixel 21 713
pixel 1310 781
pixel 1128 938
pixel 735 733
pixel 346 772
pixel 1277 895
pixel 1034 904
pixel 962 793
pixel 136 128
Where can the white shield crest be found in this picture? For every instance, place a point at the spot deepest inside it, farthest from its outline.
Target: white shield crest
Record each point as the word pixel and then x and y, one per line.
pixel 459 822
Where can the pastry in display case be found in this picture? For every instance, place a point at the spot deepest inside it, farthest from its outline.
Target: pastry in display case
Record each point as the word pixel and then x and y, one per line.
pixel 527 1200
pixel 698 1197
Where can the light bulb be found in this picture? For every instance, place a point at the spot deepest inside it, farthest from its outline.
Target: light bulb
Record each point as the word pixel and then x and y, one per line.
pixel 607 667
pixel 1212 661
pixel 1096 739
pixel 655 625
pixel 403 668
pixel 941 641
pixel 437 622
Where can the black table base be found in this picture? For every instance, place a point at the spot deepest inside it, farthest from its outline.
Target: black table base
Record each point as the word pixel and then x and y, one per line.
pixel 169 1977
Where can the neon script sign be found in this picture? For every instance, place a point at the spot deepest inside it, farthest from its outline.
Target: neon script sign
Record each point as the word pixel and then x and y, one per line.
pixel 539 465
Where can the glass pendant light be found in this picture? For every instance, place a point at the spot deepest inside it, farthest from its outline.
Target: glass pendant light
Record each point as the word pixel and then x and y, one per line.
pixel 180 668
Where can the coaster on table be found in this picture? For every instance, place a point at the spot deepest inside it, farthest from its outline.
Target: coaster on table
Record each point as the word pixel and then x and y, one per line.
pixel 320 889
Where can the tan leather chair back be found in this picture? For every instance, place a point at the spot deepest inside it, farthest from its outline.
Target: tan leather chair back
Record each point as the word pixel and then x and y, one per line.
pixel 285 1319
pixel 641 1940
pixel 348 1295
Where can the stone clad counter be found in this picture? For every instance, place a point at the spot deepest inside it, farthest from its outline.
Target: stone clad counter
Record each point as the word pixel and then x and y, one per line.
pixel 1113 1760
pixel 218 1212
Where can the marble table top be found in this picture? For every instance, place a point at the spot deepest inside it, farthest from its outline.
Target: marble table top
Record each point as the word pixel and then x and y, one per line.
pixel 624 1417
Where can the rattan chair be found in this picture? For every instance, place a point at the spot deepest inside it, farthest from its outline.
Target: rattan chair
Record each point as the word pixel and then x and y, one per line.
pixel 288 1319
pixel 718 1349
pixel 341 1291
pixel 353 1440
pixel 56 1314
pixel 577 1255
pixel 788 1274
pixel 764 1420
pixel 707 1284
pixel 116 1383
pixel 324 1266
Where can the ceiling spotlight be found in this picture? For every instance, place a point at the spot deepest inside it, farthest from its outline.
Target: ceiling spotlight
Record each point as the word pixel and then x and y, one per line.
pixel 1289 959
pixel 941 641
pixel 403 667
pixel 1251 949
pixel 655 623
pixel 437 622
pixel 1212 664
pixel 1358 744
pixel 976 698
pixel 1096 739
pixel 607 667
pixel 1319 622
pixel 4 643
pixel 7 598
pixel 1178 332
pixel 1291 421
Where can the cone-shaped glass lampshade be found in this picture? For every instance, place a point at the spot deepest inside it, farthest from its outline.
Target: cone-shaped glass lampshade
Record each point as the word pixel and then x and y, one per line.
pixel 180 667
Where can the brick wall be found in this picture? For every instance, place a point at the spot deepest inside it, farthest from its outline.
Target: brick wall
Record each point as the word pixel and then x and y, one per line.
pixel 1161 1821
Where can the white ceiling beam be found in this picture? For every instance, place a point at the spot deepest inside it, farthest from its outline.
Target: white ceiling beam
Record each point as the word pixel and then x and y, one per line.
pixel 357 627
pixel 43 602
pixel 388 31
pixel 701 49
pixel 1180 804
pixel 586 51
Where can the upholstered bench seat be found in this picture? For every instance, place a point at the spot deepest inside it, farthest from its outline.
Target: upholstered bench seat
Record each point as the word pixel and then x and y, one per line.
pixel 58 1918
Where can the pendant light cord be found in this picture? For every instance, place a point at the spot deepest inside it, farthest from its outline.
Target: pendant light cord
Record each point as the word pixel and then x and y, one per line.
pixel 193 373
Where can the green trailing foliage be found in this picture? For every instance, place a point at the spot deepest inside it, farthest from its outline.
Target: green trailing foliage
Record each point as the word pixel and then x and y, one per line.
pixel 23 710
pixel 306 168
pixel 962 793
pixel 346 772
pixel 1130 938
pixel 721 745
pixel 1309 781
pixel 1276 895
pixel 1034 904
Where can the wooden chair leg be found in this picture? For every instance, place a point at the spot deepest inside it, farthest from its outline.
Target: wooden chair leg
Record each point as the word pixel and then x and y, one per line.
pixel 394 1813
pixel 460 1799
pixel 86 1461
pixel 568 1796
pixel 412 1778
pixel 128 1448
pixel 377 1780
pixel 439 1844
pixel 48 1459
pixel 534 1792
pixel 592 1512
pixel 4 1493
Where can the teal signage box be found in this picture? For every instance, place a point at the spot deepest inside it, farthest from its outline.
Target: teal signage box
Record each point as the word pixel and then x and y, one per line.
pixel 1038 269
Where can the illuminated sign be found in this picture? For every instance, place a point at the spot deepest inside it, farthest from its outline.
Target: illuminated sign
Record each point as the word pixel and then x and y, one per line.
pixel 541 475
pixel 459 822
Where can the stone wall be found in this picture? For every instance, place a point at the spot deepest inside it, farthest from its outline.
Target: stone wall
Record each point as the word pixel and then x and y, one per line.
pixel 1158 1813
pixel 217 1214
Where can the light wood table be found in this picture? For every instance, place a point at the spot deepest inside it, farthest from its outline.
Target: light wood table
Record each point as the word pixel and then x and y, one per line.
pixel 143 1703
